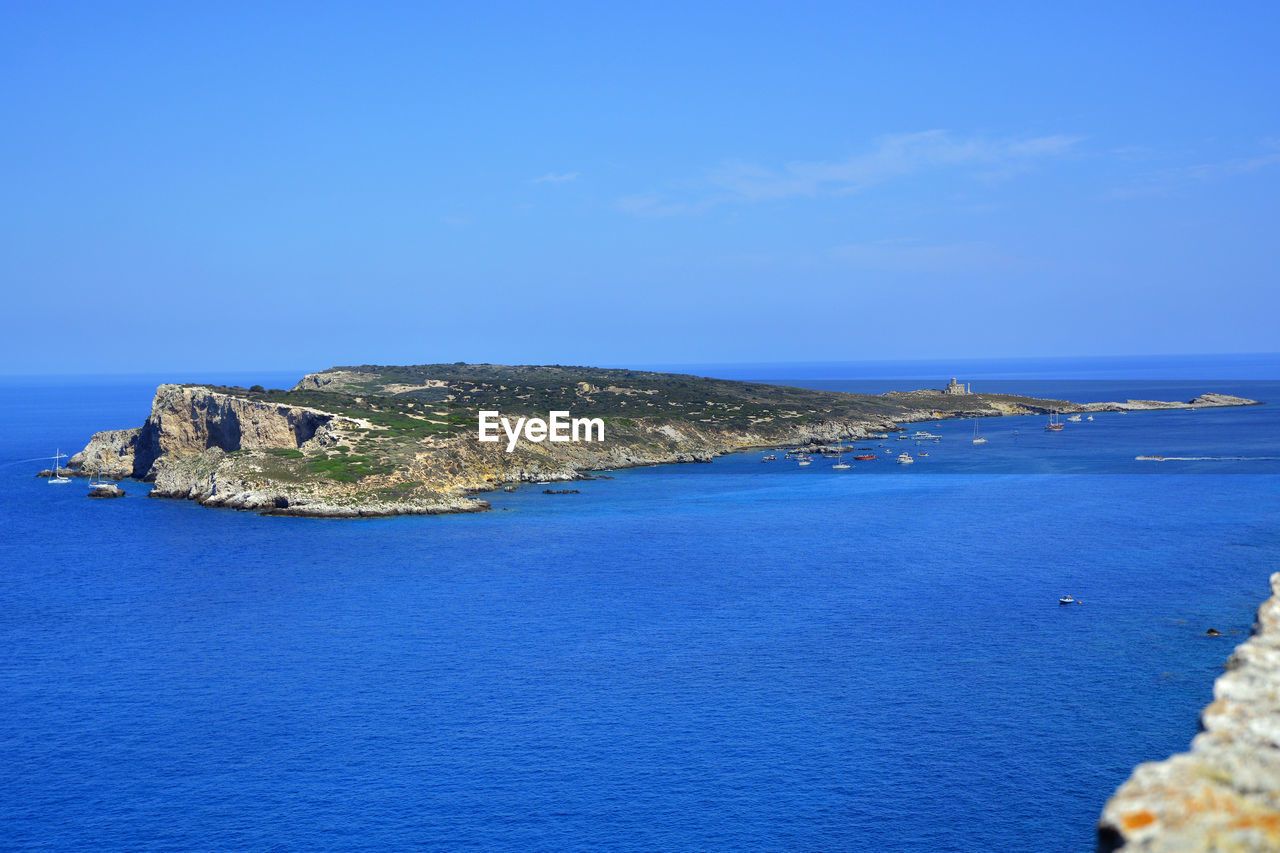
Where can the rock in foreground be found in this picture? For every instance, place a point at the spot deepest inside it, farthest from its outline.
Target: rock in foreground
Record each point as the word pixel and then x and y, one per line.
pixel 106 491
pixel 1223 795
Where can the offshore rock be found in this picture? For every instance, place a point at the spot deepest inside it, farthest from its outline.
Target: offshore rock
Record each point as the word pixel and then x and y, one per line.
pixel 1204 401
pixel 106 491
pixel 1224 794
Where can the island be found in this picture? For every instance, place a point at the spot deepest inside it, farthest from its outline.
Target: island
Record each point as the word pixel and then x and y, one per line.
pixel 380 440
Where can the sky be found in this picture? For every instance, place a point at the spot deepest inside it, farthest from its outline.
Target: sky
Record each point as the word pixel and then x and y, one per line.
pixel 222 186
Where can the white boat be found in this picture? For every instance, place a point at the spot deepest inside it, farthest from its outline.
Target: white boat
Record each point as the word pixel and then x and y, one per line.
pixel 96 480
pixel 905 459
pixel 1074 419
pixel 977 437
pixel 804 462
pixel 57 465
pixel 841 466
pixel 1089 418
pixel 1066 599
pixel 921 435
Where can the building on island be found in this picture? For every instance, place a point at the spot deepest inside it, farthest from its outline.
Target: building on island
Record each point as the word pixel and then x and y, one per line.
pixel 954 387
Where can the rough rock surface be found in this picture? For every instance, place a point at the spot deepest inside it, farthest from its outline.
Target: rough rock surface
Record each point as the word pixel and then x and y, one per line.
pixel 106 491
pixel 186 419
pixel 1224 794
pixel 1204 401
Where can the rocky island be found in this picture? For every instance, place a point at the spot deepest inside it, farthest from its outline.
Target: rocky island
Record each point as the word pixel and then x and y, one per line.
pixel 377 440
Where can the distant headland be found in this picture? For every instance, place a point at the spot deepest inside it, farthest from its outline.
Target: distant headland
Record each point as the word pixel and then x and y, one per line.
pixel 381 440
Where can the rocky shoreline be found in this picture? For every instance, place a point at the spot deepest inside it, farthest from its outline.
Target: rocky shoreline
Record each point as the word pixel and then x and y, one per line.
pixel 354 443
pixel 1224 793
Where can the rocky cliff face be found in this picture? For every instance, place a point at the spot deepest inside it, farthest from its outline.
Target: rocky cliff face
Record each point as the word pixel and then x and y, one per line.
pixel 187 421
pixel 1223 795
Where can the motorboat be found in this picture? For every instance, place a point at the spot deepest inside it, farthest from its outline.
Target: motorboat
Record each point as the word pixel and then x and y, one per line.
pixel 1066 599
pixel 905 459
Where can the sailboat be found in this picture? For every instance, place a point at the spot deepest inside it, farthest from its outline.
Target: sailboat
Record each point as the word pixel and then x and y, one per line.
pixel 977 436
pixel 96 480
pixel 1053 425
pixel 841 465
pixel 57 466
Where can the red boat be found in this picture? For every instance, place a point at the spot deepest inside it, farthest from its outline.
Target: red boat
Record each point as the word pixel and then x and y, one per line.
pixel 867 456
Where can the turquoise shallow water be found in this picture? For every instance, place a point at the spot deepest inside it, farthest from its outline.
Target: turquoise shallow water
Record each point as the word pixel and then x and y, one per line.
pixel 725 656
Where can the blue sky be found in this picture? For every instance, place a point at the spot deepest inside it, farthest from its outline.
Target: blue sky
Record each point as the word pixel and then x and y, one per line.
pixel 279 186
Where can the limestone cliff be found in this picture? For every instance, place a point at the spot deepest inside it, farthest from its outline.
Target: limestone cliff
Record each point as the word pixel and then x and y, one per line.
pixel 188 420
pixel 1224 794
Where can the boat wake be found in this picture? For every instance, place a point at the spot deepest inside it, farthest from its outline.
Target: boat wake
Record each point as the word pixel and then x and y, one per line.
pixel 1206 458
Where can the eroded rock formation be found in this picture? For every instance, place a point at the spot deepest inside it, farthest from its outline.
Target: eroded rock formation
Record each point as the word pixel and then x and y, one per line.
pixel 1224 794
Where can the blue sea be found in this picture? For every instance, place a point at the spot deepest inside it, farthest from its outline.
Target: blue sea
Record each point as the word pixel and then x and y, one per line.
pixel 724 656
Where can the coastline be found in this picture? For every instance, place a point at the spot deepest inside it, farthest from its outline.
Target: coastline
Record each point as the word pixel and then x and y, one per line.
pixel 353 443
pixel 227 450
pixel 1224 792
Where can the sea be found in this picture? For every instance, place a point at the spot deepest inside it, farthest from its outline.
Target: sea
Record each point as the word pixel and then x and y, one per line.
pixel 740 655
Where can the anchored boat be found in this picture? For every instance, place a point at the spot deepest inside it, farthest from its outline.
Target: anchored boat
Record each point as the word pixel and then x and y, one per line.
pixel 57 477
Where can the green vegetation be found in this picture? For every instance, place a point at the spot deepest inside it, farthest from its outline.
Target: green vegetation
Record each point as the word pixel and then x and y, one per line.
pixel 348 468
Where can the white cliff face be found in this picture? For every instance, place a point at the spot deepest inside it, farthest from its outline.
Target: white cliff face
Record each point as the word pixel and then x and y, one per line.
pixel 188 420
pixel 192 419
pixel 1224 794
pixel 109 454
